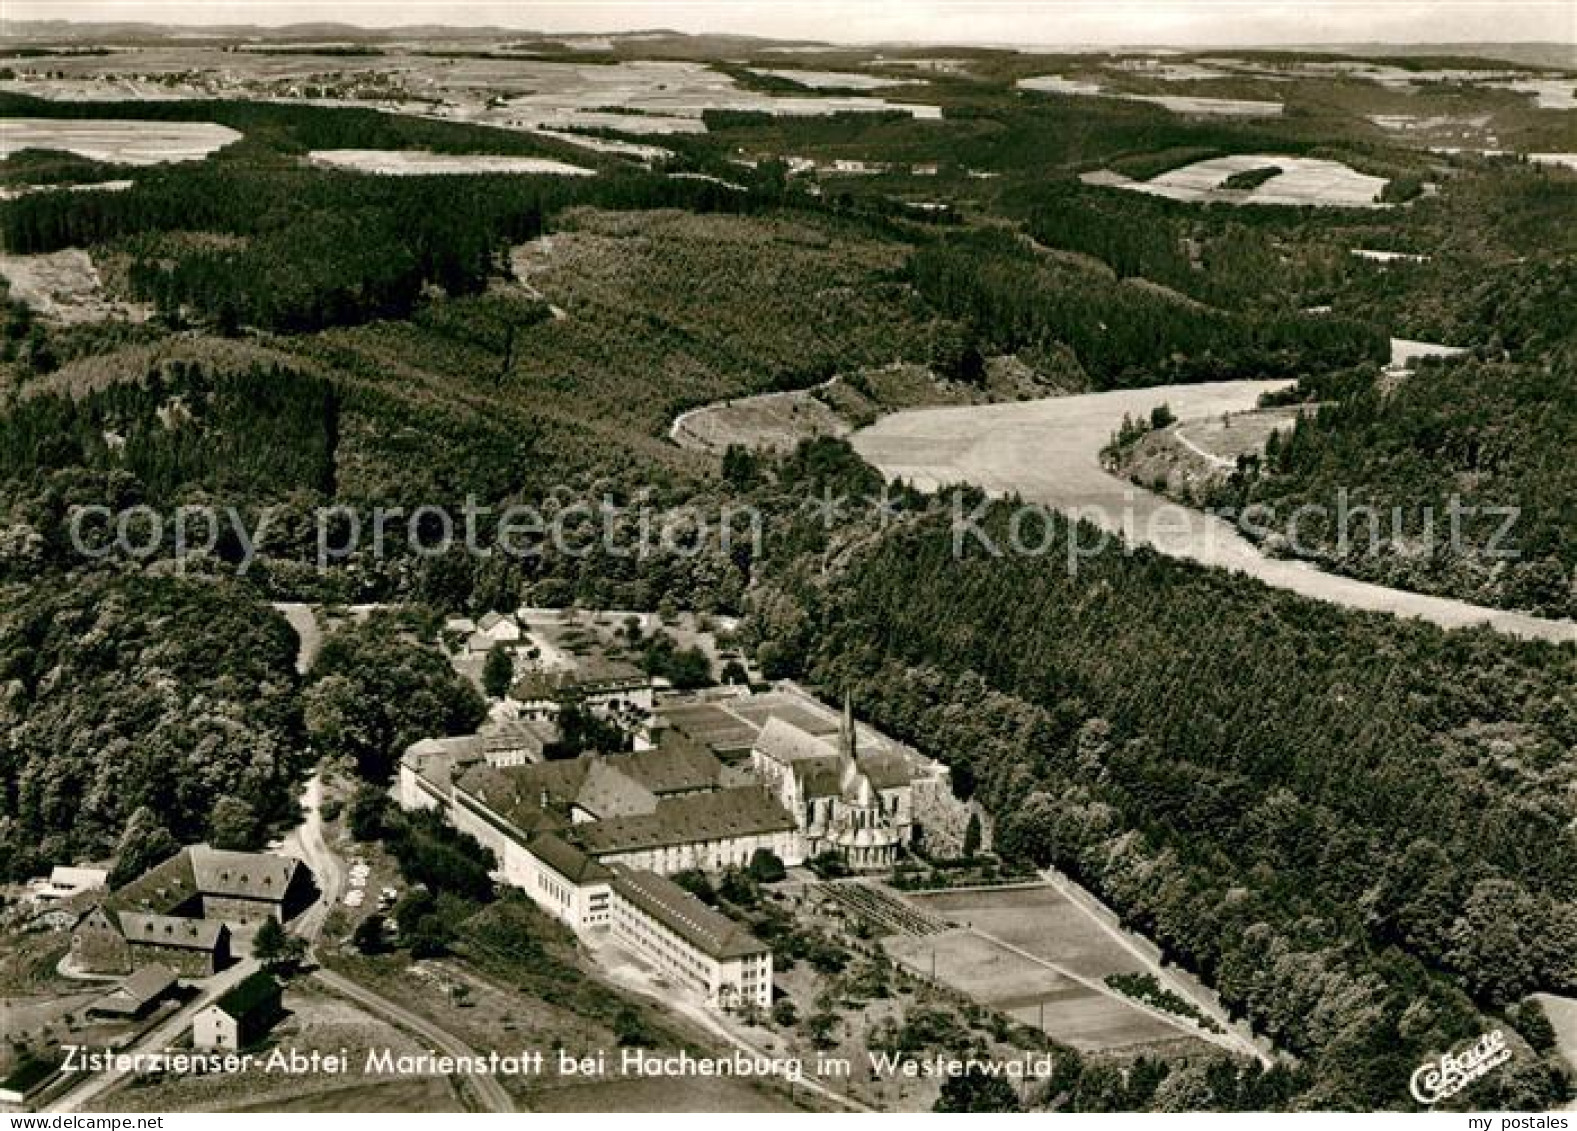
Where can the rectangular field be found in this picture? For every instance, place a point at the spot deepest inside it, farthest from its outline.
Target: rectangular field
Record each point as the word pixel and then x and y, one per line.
pixel 1041 921
pixel 1030 992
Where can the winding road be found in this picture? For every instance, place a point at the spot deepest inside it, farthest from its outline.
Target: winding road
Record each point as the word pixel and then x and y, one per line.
pixel 1048 452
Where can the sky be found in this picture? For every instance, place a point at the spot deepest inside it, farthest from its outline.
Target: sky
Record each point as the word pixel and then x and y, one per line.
pixel 1027 22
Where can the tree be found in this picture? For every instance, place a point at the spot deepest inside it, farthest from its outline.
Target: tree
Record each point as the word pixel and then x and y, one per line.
pixel 976 1090
pixel 365 817
pixel 765 867
pixel 144 844
pixel 268 944
pixel 735 672
pixel 233 825
pixel 972 835
pixel 498 671
pixel 368 936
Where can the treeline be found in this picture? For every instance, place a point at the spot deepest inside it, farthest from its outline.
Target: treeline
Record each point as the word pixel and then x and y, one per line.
pixel 169 701
pixel 1015 297
pixel 1355 828
pixel 1488 439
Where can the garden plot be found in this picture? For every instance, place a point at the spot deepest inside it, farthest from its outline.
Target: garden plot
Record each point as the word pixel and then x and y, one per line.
pixel 119 143
pixel 418 163
pixel 1302 181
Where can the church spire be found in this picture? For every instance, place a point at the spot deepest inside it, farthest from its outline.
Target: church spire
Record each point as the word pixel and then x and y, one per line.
pixel 846 738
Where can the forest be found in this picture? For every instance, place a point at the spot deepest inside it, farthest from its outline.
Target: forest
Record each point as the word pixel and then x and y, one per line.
pixel 1491 434
pixel 142 709
pixel 1352 827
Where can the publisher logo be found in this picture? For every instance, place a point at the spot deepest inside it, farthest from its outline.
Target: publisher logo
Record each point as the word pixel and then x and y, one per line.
pixel 1441 1079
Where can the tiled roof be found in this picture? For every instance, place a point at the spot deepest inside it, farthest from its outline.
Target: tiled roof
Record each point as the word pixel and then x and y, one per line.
pixel 567 860
pixel 242 875
pixel 692 819
pixel 171 930
pixel 148 984
pixel 161 889
pixel 886 771
pixel 678 767
pixel 515 792
pixel 785 743
pixel 666 902
pixel 609 792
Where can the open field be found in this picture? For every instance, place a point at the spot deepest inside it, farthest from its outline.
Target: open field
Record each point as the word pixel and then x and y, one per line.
pixel 415 163
pixel 1302 181
pixel 64 287
pixel 1562 1012
pixel 772 421
pixel 1032 992
pixel 1048 452
pixel 641 95
pixel 1196 105
pixel 1040 920
pixel 1224 438
pixel 118 142
pixel 834 80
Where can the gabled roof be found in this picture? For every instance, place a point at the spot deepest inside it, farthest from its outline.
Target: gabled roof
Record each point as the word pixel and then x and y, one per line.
pixel 727 813
pixel 707 930
pixel 242 875
pixel 161 889
pixel 200 870
pixel 785 743
pixel 516 792
pixel 567 860
pixel 256 994
pixel 493 620
pixel 681 766
pixel 147 985
pixel 608 792
pixel 172 930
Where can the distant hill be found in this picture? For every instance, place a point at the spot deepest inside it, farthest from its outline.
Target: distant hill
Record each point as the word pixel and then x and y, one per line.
pixel 1535 54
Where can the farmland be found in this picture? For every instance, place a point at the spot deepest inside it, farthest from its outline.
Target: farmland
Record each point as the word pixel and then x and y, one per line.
pixel 117 142
pixel 1201 105
pixel 408 163
pixel 1300 181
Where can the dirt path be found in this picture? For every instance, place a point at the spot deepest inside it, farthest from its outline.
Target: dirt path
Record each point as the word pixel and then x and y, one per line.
pixel 306 842
pixel 1048 452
